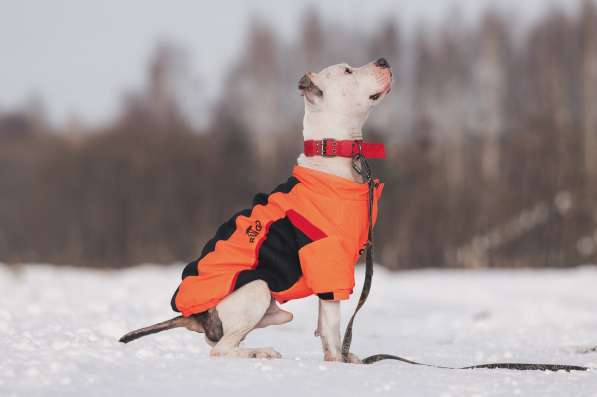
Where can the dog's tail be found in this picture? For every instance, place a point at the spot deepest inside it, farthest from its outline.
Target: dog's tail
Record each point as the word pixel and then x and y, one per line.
pixel 175 322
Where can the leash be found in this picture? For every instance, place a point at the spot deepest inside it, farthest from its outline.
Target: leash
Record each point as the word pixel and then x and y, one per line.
pixel 361 167
pixel 513 366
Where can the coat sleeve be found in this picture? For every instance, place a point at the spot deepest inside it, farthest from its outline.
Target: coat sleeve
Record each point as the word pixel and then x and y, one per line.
pixel 328 268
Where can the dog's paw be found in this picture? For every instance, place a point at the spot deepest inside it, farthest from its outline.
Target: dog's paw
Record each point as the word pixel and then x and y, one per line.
pixel 332 356
pixel 266 352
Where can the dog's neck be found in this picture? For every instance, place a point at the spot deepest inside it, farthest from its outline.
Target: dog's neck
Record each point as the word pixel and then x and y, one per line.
pixel 317 126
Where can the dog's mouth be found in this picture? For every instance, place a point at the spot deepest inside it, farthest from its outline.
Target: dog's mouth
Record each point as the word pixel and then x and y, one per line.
pixel 386 90
pixel 375 97
pixel 385 78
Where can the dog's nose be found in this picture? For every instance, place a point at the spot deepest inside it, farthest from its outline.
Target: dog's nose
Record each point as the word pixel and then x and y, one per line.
pixel 382 63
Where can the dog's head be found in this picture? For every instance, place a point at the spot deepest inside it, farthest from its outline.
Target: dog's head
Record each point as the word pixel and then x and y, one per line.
pixel 345 90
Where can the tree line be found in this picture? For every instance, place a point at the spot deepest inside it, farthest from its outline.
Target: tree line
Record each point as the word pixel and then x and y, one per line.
pixel 491 131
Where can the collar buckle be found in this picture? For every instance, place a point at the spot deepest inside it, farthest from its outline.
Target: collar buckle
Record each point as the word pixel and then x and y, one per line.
pixel 332 151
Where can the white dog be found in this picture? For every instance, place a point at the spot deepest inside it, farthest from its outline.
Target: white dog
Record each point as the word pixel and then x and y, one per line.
pixel 337 103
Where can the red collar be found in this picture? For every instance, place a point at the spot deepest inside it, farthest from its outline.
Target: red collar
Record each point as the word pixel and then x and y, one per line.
pixel 329 147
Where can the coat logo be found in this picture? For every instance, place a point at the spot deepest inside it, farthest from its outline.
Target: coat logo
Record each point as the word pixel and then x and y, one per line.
pixel 254 230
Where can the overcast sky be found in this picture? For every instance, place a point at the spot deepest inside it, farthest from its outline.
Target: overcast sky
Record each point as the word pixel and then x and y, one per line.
pixel 79 56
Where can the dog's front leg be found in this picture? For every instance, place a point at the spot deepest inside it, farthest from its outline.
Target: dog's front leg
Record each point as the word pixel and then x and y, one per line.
pixel 328 328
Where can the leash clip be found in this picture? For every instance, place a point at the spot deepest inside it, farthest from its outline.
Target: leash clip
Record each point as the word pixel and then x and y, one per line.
pixel 366 245
pixel 361 167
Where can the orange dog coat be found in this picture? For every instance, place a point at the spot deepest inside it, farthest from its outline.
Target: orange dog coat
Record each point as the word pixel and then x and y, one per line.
pixel 303 238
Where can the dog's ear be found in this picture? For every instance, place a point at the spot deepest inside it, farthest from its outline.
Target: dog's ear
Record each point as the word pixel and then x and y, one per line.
pixel 309 89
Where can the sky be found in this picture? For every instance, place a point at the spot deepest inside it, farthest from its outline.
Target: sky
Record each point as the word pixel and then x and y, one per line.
pixel 79 56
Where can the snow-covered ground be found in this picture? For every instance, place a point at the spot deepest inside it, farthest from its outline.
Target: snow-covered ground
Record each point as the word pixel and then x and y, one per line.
pixel 59 329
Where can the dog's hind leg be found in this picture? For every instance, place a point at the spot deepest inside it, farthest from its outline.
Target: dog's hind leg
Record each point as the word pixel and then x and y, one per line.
pixel 240 312
pixel 274 316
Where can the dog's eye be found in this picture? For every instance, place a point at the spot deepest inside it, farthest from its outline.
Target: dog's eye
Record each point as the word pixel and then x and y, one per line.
pixel 347 71
pixel 375 97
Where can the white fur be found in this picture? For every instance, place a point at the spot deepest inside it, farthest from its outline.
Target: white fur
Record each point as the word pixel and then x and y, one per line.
pixel 342 111
pixel 340 114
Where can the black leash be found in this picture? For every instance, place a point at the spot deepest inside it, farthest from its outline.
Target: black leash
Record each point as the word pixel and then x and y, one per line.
pixel 360 165
pixel 514 366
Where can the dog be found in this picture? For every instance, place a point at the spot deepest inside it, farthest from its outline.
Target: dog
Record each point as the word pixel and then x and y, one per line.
pixel 303 238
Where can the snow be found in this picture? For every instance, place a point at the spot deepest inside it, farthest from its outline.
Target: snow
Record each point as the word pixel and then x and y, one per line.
pixel 59 329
